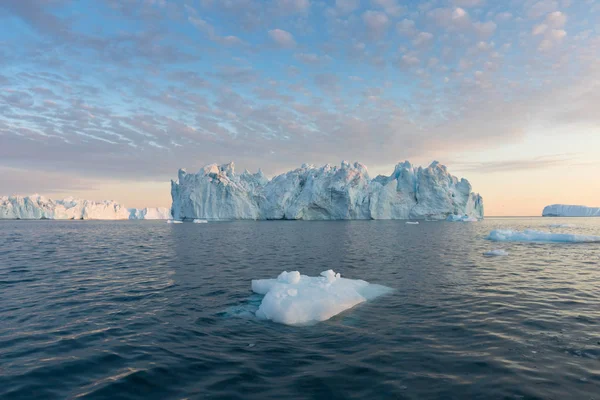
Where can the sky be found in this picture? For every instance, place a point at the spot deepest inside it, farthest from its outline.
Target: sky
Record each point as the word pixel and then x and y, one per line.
pixel 108 99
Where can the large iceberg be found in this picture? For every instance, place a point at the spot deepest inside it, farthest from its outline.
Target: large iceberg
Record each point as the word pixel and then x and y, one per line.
pixel 530 235
pixel 564 210
pixel 295 299
pixel 40 207
pixel 323 193
pixel 150 213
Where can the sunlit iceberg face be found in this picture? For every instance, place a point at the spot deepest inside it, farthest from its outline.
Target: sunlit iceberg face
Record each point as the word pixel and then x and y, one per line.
pixel 295 299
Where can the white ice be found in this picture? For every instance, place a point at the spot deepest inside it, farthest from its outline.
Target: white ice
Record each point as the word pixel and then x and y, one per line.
pixel 496 253
pixel 561 226
pixel 295 299
pixel 461 218
pixel 565 210
pixel 200 221
pixel 323 193
pixel 40 207
pixel 174 221
pixel 530 235
pixel 412 223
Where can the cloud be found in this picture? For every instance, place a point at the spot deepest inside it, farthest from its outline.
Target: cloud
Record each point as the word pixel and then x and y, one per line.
pixel 287 7
pixel 543 162
pixel 312 58
pixel 346 6
pixel 282 38
pixel 376 23
pixel 406 27
pixel 423 39
pixel 390 7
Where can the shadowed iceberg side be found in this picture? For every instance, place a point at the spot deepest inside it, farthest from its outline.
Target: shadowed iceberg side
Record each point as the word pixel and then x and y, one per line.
pixel 324 193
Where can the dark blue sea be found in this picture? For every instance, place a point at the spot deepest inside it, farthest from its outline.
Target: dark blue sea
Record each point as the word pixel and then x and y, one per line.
pixel 149 310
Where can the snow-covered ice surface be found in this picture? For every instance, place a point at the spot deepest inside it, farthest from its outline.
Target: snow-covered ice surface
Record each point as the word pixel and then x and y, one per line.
pixel 496 253
pixel 565 210
pixel 324 193
pixel 40 207
pixel 530 235
pixel 295 299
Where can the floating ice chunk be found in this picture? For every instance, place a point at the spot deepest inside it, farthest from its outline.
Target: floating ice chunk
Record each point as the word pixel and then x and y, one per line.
pixel 461 218
pixel 295 299
pixel 561 226
pixel 200 221
pixel 530 235
pixel 566 210
pixel 495 253
pixel 174 221
pixel 412 223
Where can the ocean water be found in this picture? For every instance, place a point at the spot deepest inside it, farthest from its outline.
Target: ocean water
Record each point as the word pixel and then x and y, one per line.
pixel 149 310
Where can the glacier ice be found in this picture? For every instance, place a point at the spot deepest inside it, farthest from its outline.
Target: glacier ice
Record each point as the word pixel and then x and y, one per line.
pixel 564 210
pixel 461 218
pixel 530 235
pixel 150 213
pixel 295 299
pixel 496 253
pixel 323 193
pixel 40 207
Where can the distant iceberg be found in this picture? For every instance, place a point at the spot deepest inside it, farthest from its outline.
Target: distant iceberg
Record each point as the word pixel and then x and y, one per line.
pixel 200 221
pixel 530 235
pixel 295 299
pixel 495 253
pixel 323 193
pixel 40 207
pixel 564 210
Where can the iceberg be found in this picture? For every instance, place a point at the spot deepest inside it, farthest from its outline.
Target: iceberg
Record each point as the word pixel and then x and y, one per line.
pixel 216 192
pixel 412 222
pixel 150 213
pixel 200 221
pixel 530 235
pixel 40 207
pixel 564 210
pixel 295 299
pixel 174 221
pixel 495 253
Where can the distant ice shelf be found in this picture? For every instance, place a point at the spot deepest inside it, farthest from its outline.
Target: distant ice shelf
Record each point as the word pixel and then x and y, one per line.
pixel 40 207
pixel 530 235
pixel 295 299
pixel 565 210
pixel 216 192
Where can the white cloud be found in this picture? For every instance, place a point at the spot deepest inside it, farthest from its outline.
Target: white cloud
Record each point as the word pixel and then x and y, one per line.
pixel 346 6
pixel 503 16
pixel 391 7
pixel 282 38
pixel 539 29
pixel 556 19
pixel 485 28
pixel 406 27
pixel 292 6
pixel 312 58
pixel 376 22
pixel 468 3
pixel 541 8
pixel 423 39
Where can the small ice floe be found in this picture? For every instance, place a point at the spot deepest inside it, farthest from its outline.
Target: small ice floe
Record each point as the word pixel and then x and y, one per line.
pixel 295 299
pixel 174 221
pixel 561 226
pixel 461 218
pixel 412 222
pixel 495 253
pixel 530 235
pixel 200 221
